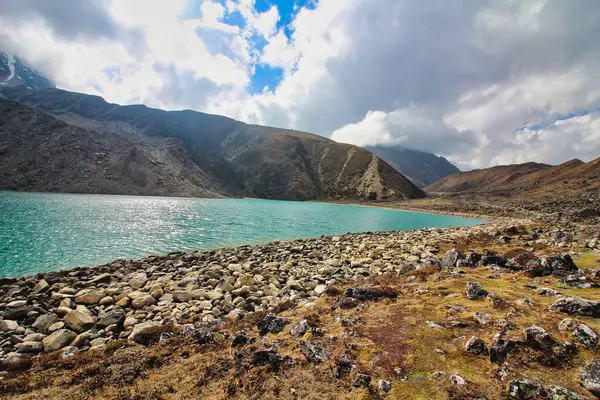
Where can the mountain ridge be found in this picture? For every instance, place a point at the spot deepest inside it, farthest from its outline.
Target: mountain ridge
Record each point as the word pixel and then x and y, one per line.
pixel 256 161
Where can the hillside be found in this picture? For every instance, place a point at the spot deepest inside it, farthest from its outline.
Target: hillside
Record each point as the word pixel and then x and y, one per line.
pixel 420 167
pixel 41 153
pixel 530 178
pixel 256 161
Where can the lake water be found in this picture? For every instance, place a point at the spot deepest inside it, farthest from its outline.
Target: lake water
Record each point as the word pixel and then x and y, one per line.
pixel 46 231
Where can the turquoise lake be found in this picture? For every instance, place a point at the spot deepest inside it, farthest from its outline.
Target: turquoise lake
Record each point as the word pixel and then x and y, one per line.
pixel 46 231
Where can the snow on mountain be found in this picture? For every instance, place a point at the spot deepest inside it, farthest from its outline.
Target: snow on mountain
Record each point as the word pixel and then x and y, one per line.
pixel 14 72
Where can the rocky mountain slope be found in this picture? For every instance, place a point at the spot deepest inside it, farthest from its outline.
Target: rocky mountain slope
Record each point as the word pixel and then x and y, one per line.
pixel 253 160
pixel 41 153
pixel 420 167
pixel 14 72
pixel 520 179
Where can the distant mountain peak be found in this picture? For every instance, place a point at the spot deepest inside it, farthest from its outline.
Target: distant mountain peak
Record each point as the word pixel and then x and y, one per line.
pixel 15 72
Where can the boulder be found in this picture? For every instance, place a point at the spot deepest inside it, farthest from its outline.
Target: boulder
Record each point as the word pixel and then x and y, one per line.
pixel 299 329
pixel 475 346
pixel 8 325
pixel 567 324
pixel 472 258
pixel 362 380
pixel 271 358
pixel 586 336
pixel 15 362
pixel 90 298
pixel 577 306
pixel 560 264
pixel 40 287
pixel 501 348
pixel 384 386
pixel 451 258
pixel 561 393
pixel 371 294
pixel 590 377
pixel 143 301
pixel 525 389
pixel 475 291
pixel 313 353
pixel 538 338
pixel 58 339
pixel 79 321
pixel 272 324
pixel 140 329
pixel 29 347
pixel 113 317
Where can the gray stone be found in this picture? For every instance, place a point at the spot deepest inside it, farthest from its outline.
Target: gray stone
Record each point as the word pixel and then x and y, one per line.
pixel 79 321
pixel 586 336
pixel 590 377
pixel 566 324
pixel 272 324
pixel 537 337
pixel 451 258
pixel 299 329
pixel 59 339
pixel 313 353
pixel 8 325
pixel 475 346
pixel 561 393
pixel 113 317
pixel 140 329
pixel 384 386
pixel 525 389
pixel 457 379
pixel 361 380
pixel 90 298
pixel 143 301
pixel 29 347
pixel 475 291
pixel 577 306
pixel 41 286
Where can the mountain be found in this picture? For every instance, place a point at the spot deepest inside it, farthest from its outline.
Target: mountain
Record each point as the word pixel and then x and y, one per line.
pixel 241 159
pixel 420 167
pixel 14 72
pixel 41 153
pixel 529 178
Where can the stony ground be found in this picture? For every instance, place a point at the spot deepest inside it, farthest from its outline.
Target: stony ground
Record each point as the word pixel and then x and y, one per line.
pixel 506 309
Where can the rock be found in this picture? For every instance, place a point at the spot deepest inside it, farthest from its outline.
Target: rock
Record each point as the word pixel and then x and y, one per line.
pixel 29 347
pixel 362 380
pixel 566 324
pixel 272 324
pixel 123 302
pixel 433 325
pixel 204 305
pixel 320 289
pixel 143 301
pixel 586 336
pixel 501 348
pixel 107 301
pixel 299 329
pixel 271 358
pixel 8 325
pixel 472 258
pixel 457 379
pixel 239 339
pixel 138 280
pixel 451 258
pixel 538 338
pixel 17 304
pixel 482 318
pixel 544 291
pixel 113 317
pixel 577 281
pixel 56 326
pixel 69 352
pixel 90 298
pixel 43 322
pixel 475 346
pixel 15 362
pixel 346 303
pixel 561 393
pixel 313 353
pixel 34 337
pixel 371 294
pixel 475 291
pixel 560 265
pixel 182 296
pixel 497 301
pixel 201 335
pixel 99 342
pixel 577 306
pixel 384 386
pixel 102 278
pixel 316 255
pixel 590 377
pixel 224 286
pixel 489 260
pixel 140 329
pixel 16 313
pixel 82 340
pixel 525 389
pixel 40 287
pixel 79 321
pixel 58 339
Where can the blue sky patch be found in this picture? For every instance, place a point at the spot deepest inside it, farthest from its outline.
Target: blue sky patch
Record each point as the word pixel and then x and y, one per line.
pixel 265 76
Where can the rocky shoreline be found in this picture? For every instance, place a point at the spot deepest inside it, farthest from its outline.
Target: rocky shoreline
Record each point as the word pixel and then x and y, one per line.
pixel 73 311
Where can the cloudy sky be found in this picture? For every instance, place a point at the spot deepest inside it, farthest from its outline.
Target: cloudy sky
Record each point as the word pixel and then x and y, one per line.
pixel 480 82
